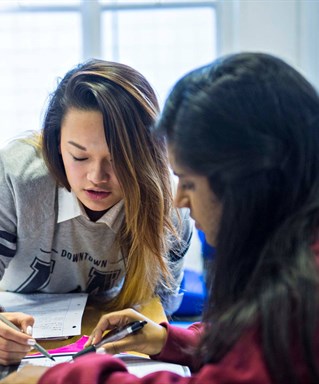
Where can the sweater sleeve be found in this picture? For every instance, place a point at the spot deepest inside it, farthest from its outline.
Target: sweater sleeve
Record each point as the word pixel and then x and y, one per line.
pixel 8 220
pixel 180 345
pixel 243 364
pixel 98 369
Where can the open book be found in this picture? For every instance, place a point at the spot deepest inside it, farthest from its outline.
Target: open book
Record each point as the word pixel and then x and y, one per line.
pixel 137 365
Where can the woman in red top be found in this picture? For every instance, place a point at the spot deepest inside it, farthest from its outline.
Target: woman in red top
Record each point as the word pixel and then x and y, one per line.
pixel 243 137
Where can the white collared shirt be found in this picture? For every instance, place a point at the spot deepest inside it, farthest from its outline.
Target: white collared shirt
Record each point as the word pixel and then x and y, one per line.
pixel 69 208
pixel 48 242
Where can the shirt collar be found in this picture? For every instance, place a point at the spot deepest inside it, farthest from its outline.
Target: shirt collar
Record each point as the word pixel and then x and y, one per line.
pixel 69 208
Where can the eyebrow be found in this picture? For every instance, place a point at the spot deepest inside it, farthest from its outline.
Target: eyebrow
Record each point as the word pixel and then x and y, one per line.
pixel 77 145
pixel 179 175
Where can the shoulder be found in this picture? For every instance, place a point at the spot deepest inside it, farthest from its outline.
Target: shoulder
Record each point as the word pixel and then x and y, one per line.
pixel 21 162
pixel 18 155
pixel 24 176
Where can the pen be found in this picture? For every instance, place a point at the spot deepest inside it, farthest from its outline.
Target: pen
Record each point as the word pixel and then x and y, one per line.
pixel 36 345
pixel 114 335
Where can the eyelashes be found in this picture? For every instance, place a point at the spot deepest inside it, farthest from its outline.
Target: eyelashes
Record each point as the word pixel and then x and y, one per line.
pixel 79 158
pixel 85 158
pixel 187 186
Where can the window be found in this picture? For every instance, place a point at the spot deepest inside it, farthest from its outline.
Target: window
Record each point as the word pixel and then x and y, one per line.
pixel 41 39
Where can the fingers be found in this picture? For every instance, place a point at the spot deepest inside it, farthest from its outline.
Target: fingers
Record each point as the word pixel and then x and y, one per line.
pixel 148 340
pixel 14 345
pixel 118 319
pixel 21 320
pixel 12 352
pixel 115 349
pixel 113 320
pixel 130 343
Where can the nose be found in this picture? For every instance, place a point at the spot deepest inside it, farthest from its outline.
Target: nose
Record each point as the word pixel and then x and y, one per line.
pixel 98 173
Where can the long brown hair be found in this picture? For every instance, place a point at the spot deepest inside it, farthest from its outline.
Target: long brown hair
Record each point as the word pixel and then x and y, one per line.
pixel 129 107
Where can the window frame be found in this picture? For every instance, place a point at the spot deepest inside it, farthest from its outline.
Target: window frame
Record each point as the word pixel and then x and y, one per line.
pixel 91 12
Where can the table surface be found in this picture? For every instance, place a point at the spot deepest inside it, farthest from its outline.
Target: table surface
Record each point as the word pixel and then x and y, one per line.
pixel 92 313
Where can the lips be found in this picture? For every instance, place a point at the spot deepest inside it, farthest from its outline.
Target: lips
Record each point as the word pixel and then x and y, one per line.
pixel 97 195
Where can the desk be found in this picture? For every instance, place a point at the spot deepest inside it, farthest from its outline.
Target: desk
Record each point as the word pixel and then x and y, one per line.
pixel 92 314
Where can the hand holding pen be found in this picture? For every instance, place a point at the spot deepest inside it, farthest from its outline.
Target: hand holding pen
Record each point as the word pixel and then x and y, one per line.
pixel 114 335
pixel 14 344
pixel 19 342
pixel 148 340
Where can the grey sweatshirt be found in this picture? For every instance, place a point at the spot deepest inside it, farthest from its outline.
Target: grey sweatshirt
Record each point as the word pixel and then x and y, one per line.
pixel 42 252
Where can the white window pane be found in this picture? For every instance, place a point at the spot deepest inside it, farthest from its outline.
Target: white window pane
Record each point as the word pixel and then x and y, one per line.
pixel 42 3
pixel 147 2
pixel 35 49
pixel 162 44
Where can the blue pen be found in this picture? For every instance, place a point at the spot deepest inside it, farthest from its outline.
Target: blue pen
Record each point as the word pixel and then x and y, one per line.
pixel 114 335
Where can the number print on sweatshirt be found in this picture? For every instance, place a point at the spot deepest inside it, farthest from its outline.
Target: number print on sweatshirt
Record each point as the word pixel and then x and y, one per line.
pixel 97 281
pixel 102 281
pixel 39 278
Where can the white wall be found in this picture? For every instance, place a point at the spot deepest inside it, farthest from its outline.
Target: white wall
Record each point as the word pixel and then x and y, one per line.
pixel 286 28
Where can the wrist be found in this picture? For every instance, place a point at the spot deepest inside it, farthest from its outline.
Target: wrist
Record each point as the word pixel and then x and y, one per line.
pixel 161 339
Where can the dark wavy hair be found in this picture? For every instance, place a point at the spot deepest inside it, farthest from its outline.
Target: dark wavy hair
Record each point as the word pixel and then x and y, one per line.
pixel 249 122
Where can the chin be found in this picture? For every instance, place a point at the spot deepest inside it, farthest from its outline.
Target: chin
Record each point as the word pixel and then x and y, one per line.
pixel 210 241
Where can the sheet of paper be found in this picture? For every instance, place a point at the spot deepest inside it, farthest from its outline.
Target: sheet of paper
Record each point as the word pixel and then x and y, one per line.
pixel 44 361
pixel 56 314
pixel 141 366
pixel 137 365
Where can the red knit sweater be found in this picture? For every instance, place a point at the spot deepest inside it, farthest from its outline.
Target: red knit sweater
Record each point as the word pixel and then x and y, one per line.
pixel 243 364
